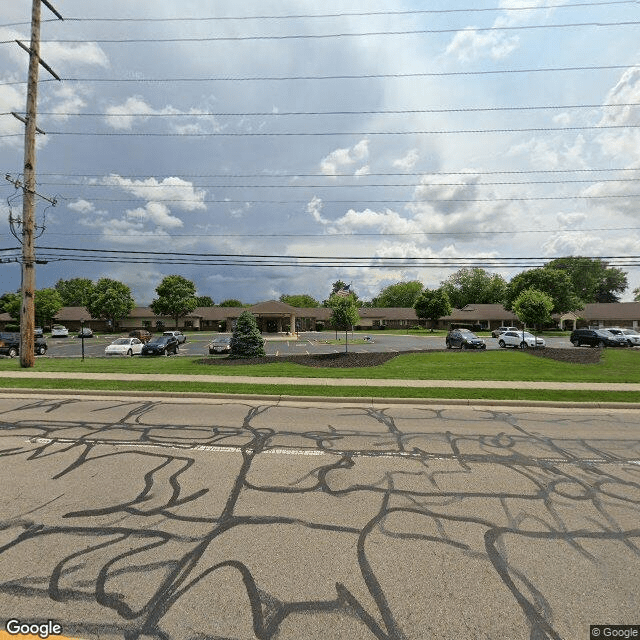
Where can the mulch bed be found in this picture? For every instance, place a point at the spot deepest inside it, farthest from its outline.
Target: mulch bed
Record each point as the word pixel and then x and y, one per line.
pixel 584 355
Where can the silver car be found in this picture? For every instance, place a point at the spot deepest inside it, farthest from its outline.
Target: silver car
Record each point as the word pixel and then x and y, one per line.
pixel 521 339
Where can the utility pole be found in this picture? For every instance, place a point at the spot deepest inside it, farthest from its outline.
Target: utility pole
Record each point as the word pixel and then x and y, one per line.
pixel 27 309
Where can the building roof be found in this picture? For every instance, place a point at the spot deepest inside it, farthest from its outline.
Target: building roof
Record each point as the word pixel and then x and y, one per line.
pixel 72 314
pixel 611 311
pixel 476 312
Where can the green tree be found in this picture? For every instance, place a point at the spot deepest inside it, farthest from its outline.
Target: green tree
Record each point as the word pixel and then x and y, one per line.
pixel 474 286
pixel 246 341
pixel 204 301
pixel 176 298
pixel 432 305
pixel 533 307
pixel 401 294
pixel 111 301
pixel 344 315
pixel 11 304
pixel 7 298
pixel 300 300
pixel 47 302
pixel 556 283
pixel 75 292
pixel 593 280
pixel 636 294
pixel 231 302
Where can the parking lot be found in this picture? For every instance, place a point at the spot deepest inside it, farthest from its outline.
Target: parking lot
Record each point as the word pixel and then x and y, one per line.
pixel 306 343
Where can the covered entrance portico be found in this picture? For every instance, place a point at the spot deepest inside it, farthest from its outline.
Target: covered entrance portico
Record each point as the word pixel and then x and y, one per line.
pixel 274 317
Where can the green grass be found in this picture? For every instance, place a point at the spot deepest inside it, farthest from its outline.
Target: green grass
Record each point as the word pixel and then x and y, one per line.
pixel 324 391
pixel 616 366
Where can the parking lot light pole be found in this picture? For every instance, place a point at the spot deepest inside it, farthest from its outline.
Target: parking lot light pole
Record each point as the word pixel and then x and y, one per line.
pixel 82 336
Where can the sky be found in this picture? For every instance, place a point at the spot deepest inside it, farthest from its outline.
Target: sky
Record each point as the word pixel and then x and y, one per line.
pixel 274 147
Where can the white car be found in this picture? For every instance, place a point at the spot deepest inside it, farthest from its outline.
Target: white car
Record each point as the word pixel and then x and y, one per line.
pixel 632 336
pixel 59 331
pixel 124 347
pixel 523 340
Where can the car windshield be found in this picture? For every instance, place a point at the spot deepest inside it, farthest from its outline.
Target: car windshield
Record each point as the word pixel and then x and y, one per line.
pixel 158 340
pixel 469 334
pixel 121 341
pixel 221 340
pixel 604 332
pixel 630 332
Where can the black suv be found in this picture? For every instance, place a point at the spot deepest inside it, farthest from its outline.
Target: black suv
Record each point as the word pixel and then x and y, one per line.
pixel 10 345
pixel 596 338
pixel 464 339
pixel 161 346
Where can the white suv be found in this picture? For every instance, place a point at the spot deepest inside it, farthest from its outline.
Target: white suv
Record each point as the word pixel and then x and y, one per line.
pixel 496 333
pixel 522 339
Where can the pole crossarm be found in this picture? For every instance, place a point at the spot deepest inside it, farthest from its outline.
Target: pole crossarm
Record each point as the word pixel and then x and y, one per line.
pixel 30 51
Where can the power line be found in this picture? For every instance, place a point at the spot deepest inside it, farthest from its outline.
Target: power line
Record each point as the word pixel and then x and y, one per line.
pixel 244 114
pixel 365 76
pixel 342 14
pixel 320 36
pixel 290 134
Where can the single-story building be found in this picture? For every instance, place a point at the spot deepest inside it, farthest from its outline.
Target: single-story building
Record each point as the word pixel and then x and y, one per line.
pixel 277 317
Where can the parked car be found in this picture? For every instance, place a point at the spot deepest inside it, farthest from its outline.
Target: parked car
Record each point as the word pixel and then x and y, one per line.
pixel 124 347
pixel 161 346
pixel 85 332
pixel 220 344
pixel 633 337
pixel 59 331
pixel 10 345
pixel 464 339
pixel 596 338
pixel 500 330
pixel 142 334
pixel 178 335
pixel 38 332
pixel 520 339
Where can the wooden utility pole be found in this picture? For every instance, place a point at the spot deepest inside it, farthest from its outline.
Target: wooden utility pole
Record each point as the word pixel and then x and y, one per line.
pixel 27 309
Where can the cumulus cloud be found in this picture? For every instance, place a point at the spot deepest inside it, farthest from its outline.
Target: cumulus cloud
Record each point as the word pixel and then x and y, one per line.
pixel 156 213
pixel 472 45
pixel 408 161
pixel 181 193
pixel 136 109
pixel 344 159
pixel 82 206
pixel 64 55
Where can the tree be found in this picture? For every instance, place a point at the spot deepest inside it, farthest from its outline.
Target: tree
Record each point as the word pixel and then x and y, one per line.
pixel 111 301
pixel 592 279
pixel 11 303
pixel 533 307
pixel 246 341
pixel 433 304
pixel 556 283
pixel 401 294
pixel 474 286
pixel 344 315
pixel 176 298
pixel 47 302
pixel 231 302
pixel 300 300
pixel 204 301
pixel 636 294
pixel 75 292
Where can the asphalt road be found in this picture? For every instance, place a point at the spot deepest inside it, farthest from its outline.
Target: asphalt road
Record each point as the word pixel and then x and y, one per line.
pixel 145 518
pixel 310 342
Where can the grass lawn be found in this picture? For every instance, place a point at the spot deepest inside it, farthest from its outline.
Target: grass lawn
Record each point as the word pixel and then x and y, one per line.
pixel 616 366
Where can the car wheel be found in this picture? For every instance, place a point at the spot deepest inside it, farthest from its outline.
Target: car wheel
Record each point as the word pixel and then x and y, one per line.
pixel 501 344
pixel 448 345
pixel 601 344
pixel 129 353
pixel 523 345
pixel 42 351
pixel 464 345
pixel 13 352
pixel 575 343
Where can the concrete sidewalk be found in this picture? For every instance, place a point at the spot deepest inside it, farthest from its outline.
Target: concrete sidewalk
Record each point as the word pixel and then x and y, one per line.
pixel 329 382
